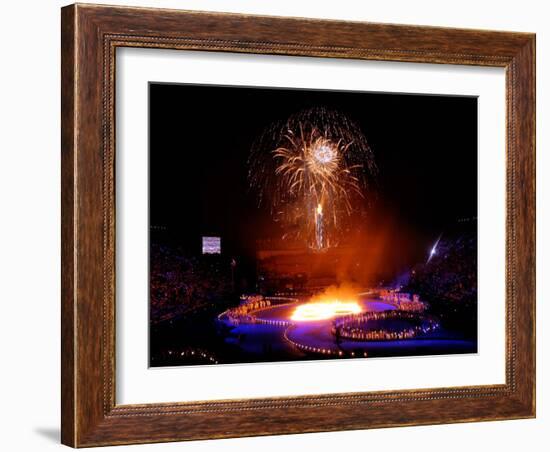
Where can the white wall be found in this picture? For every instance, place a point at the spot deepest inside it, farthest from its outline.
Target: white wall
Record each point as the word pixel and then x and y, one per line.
pixel 29 223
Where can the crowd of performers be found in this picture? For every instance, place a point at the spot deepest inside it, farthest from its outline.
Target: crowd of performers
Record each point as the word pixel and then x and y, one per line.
pixel 243 313
pixel 403 301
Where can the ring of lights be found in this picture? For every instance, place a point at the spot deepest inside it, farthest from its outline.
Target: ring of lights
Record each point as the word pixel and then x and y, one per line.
pixel 326 351
pixel 346 321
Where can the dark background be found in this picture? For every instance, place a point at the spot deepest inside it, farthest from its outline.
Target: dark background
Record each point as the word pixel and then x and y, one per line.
pixel 425 147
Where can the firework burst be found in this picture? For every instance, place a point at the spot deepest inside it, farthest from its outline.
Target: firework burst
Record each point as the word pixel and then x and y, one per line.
pixel 312 170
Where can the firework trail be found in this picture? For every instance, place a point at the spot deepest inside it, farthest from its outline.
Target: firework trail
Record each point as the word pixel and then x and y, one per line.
pixel 433 250
pixel 312 170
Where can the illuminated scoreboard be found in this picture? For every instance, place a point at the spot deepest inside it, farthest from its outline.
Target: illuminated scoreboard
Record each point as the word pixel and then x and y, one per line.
pixel 211 245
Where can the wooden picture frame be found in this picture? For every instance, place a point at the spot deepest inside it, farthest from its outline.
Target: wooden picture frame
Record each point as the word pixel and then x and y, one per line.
pixel 90 36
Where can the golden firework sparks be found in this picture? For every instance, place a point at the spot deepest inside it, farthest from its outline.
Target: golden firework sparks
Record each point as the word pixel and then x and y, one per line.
pixel 317 159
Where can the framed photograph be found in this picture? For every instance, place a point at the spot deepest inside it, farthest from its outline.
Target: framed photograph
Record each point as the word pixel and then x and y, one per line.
pixel 278 225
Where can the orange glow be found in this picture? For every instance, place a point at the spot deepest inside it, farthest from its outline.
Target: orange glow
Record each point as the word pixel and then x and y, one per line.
pixel 319 209
pixel 323 310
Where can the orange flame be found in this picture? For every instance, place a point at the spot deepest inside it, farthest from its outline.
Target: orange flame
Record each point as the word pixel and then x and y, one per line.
pixel 323 310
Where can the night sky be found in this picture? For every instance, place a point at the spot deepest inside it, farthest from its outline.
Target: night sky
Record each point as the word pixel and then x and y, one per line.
pixel 200 138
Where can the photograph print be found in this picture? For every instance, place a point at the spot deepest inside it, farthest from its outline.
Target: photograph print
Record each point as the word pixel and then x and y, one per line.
pixel 294 224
